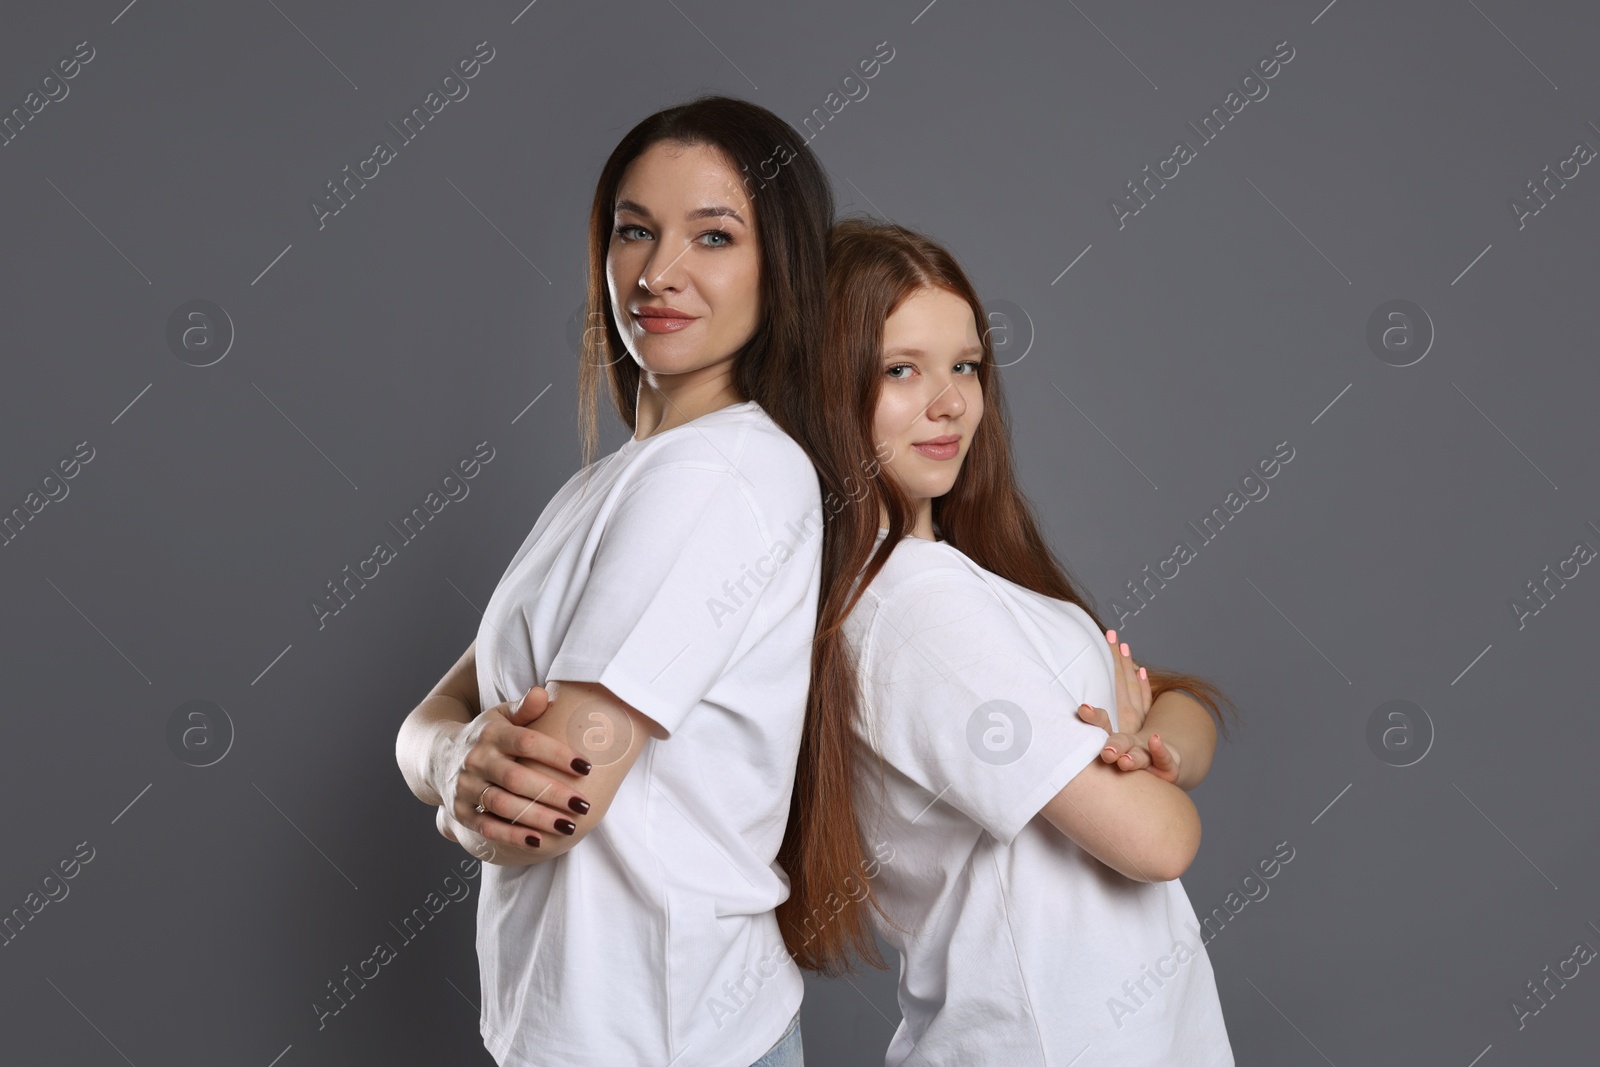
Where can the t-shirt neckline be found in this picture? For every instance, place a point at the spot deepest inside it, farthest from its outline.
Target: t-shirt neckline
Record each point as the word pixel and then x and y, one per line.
pixel 634 442
pixel 935 541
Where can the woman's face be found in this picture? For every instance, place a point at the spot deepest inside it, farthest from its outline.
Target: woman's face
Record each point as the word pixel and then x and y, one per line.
pixel 683 268
pixel 930 402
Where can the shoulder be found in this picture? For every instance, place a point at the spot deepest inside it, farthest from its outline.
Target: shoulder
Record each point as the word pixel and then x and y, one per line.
pixel 917 562
pixel 734 459
pixel 738 440
pixel 922 582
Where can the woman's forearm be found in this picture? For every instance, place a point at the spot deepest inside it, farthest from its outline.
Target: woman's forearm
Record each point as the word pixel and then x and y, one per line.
pixel 1186 726
pixel 422 736
pixel 449 706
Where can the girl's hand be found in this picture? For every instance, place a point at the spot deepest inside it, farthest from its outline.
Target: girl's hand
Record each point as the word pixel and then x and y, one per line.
pixel 1128 747
pixel 495 758
pixel 1133 687
pixel 1134 752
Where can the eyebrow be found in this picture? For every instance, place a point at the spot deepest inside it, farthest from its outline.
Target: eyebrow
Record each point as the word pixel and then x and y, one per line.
pixel 713 212
pixel 906 350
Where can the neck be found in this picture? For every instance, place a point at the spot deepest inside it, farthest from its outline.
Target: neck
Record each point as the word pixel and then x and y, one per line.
pixel 922 520
pixel 669 400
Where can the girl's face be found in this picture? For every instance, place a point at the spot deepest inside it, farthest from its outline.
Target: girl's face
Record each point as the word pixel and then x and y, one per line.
pixel 930 402
pixel 684 248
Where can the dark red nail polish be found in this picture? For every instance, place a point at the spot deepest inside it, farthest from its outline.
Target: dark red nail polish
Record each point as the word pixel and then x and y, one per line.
pixel 567 826
pixel 579 805
pixel 582 766
pixel 533 842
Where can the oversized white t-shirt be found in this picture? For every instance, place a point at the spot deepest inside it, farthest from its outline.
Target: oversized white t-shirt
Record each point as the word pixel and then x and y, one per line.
pixel 684 577
pixel 1021 948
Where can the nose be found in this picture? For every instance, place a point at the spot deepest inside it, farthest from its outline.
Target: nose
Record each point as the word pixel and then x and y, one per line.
pixel 663 270
pixel 949 402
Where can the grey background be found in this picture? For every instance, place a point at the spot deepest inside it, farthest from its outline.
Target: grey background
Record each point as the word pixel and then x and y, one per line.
pixel 1230 314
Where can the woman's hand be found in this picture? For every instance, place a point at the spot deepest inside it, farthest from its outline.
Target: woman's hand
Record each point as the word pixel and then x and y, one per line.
pixel 1128 748
pixel 495 758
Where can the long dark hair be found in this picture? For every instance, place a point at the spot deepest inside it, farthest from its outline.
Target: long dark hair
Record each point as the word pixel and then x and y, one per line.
pixel 872 268
pixel 794 207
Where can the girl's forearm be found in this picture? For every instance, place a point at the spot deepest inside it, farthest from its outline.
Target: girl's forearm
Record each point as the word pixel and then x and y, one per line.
pixel 1137 824
pixel 1184 723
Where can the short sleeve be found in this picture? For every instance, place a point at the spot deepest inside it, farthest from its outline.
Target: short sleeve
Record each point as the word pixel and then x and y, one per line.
pixel 662 611
pixel 964 702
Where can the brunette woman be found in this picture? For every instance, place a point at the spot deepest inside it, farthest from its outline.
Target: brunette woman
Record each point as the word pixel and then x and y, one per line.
pixel 664 604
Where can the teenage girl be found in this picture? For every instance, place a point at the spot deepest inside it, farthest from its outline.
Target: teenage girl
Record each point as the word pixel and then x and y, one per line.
pixel 640 675
pixel 1023 860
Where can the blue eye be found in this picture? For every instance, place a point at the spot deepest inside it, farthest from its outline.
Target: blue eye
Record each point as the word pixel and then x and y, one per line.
pixel 623 228
pixel 727 238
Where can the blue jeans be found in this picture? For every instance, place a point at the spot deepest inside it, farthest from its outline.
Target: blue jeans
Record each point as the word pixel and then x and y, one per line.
pixel 787 1052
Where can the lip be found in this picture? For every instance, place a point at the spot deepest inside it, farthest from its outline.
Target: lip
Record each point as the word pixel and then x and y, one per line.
pixel 662 320
pixel 945 446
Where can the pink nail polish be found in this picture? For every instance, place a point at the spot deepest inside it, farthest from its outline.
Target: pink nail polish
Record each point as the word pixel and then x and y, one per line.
pixel 1111 635
pixel 1125 651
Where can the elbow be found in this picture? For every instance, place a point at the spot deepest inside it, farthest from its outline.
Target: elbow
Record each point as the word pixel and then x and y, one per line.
pixel 501 858
pixel 1171 867
pixel 553 843
pixel 1177 850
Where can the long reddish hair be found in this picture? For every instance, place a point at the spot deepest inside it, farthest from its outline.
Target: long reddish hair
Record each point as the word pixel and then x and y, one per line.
pixel 872 268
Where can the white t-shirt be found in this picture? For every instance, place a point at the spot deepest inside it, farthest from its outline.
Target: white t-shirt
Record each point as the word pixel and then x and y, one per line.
pixel 684 578
pixel 1019 943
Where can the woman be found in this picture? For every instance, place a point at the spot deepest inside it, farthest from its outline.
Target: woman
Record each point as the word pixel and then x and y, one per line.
pixel 983 672
pixel 664 604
